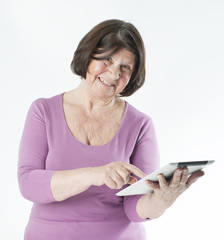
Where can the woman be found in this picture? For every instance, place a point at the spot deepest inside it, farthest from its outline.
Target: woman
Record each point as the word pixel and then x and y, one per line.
pixel 80 147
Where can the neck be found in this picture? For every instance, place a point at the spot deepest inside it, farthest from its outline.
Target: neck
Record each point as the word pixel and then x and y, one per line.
pixel 91 103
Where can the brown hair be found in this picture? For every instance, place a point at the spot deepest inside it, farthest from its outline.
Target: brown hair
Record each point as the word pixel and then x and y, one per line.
pixel 112 35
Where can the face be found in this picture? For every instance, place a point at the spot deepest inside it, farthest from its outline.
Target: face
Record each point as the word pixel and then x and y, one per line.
pixel 107 78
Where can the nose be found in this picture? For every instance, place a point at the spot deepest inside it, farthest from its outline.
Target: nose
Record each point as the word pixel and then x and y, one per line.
pixel 115 71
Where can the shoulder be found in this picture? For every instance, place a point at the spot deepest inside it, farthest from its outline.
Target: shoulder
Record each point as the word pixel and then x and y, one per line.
pixel 140 124
pixel 136 116
pixel 47 101
pixel 45 105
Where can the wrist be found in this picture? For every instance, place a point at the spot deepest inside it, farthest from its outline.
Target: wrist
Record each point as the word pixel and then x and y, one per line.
pixel 151 206
pixel 96 176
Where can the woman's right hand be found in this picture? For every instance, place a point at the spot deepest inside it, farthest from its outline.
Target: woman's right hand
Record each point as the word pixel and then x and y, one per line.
pixel 115 174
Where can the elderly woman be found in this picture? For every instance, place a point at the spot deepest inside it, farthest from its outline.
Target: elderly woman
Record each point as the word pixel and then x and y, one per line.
pixel 79 148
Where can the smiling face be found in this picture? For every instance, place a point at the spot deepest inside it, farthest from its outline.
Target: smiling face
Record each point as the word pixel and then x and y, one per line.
pixel 107 78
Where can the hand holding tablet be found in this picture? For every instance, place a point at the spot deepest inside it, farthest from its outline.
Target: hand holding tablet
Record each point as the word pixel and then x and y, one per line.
pixel 141 187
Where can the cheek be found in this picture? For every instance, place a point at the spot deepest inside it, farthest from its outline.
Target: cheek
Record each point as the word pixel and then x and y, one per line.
pixel 123 82
pixel 96 68
pixel 125 79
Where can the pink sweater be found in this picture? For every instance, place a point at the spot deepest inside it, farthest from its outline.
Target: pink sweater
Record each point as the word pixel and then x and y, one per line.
pixel 47 145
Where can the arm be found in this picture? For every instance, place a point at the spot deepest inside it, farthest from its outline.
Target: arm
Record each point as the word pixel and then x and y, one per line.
pixel 152 205
pixel 146 157
pixel 34 179
pixel 65 184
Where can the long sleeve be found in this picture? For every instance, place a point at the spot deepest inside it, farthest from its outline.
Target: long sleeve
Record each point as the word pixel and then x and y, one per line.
pixel 146 157
pixel 34 179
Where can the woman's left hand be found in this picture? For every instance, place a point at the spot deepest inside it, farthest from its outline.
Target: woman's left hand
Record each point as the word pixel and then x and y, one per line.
pixel 168 191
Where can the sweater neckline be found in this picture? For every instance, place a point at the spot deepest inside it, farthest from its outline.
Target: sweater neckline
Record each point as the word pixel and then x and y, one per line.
pixel 87 145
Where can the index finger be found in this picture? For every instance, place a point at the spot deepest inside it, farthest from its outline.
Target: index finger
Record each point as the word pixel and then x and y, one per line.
pixel 133 169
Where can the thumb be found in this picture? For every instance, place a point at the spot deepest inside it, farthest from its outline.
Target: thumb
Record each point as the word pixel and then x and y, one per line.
pixel 153 185
pixel 132 180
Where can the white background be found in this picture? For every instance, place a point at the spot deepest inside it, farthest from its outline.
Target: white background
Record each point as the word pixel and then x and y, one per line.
pixel 183 93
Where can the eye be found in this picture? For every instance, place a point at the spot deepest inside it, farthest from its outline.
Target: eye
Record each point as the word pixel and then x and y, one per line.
pixel 108 61
pixel 125 67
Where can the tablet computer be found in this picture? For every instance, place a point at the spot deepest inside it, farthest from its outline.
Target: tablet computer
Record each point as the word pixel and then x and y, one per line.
pixel 140 187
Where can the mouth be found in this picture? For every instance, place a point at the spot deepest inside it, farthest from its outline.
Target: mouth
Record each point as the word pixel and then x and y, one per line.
pixel 106 83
